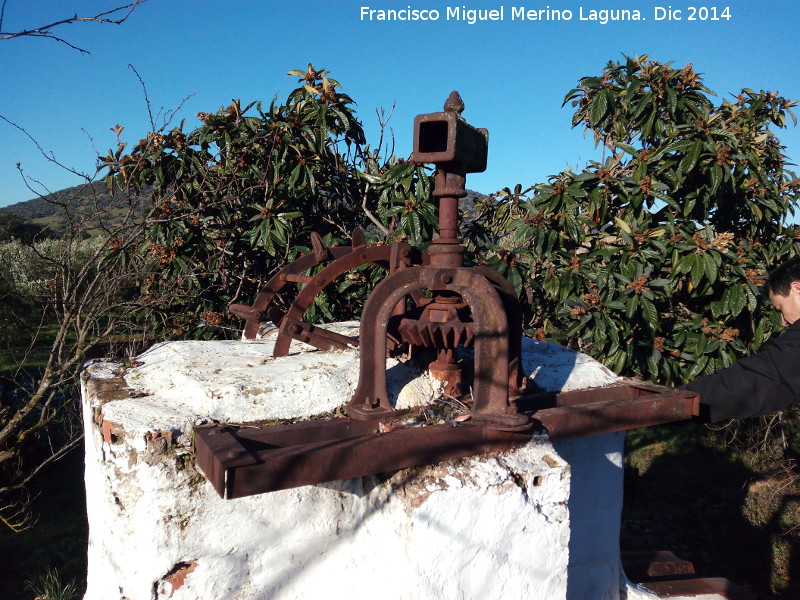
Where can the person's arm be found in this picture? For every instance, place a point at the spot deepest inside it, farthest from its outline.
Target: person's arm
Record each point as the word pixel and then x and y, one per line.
pixel 760 384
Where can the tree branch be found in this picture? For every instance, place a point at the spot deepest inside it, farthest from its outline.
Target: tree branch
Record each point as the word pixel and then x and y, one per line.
pixel 369 214
pixel 114 16
pixel 49 157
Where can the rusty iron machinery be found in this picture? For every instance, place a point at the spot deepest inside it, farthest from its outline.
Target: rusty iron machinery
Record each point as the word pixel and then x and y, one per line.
pixel 332 263
pixel 428 300
pixel 430 304
pixel 470 307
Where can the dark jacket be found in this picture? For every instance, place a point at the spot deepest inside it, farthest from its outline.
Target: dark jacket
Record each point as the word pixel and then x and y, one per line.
pixel 760 384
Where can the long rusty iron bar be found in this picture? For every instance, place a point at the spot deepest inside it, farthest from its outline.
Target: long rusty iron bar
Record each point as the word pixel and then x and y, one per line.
pixel 253 460
pixel 701 586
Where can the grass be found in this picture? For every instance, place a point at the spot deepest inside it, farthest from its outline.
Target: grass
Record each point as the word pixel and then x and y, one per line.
pixel 54 549
pixel 10 358
pixel 731 515
pixel 51 586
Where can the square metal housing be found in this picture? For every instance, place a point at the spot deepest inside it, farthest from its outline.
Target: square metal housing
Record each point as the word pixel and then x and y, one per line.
pixel 444 137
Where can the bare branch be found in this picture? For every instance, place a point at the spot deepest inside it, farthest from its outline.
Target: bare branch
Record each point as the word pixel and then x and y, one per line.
pixel 114 16
pixel 3 14
pixel 369 214
pixel 146 97
pixel 56 455
pixel 165 116
pixel 16 516
pixel 50 157
pixel 86 288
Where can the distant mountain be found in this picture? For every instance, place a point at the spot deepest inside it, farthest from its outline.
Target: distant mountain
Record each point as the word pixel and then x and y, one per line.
pixel 93 201
pixel 467 204
pixel 93 194
pixel 90 203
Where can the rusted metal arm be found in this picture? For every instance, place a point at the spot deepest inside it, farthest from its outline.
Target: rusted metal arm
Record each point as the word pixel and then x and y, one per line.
pixel 253 460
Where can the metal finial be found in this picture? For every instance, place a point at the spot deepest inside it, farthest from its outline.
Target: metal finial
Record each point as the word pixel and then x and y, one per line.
pixel 454 103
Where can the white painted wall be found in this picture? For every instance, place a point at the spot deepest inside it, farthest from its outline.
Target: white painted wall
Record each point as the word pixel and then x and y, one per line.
pixel 461 529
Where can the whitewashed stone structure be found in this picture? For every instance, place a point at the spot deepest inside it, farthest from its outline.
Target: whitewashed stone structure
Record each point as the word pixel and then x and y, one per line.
pixel 539 522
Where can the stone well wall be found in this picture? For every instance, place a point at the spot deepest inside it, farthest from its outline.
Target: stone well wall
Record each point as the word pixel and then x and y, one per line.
pixel 541 521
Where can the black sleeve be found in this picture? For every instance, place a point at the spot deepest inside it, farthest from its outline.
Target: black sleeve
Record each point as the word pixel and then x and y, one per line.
pixel 765 382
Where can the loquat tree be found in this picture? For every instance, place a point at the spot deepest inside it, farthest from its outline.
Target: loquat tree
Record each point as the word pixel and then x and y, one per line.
pixel 235 199
pixel 651 259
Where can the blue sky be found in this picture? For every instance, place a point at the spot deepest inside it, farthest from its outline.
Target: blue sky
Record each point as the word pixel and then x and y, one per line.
pixel 512 74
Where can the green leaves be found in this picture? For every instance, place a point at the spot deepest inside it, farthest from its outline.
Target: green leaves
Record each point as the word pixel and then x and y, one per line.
pixel 236 198
pixel 599 107
pixel 651 260
pixel 690 159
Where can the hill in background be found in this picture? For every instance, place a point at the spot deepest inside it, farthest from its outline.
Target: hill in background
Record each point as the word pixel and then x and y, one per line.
pixel 92 203
pixel 88 203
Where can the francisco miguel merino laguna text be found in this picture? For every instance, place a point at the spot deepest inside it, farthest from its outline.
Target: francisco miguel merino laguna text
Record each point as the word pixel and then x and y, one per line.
pixel 517 13
pixel 521 13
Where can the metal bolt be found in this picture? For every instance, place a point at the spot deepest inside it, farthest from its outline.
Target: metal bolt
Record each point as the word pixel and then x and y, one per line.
pixel 295 329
